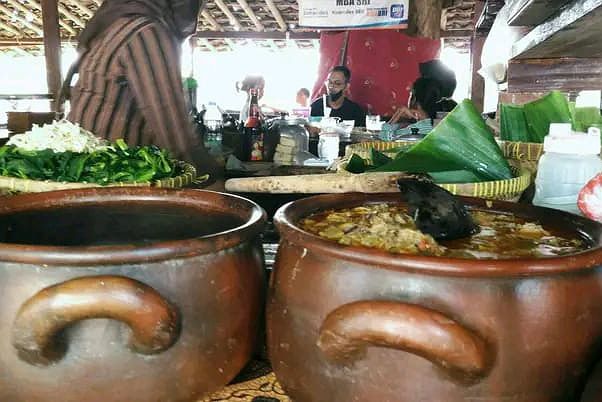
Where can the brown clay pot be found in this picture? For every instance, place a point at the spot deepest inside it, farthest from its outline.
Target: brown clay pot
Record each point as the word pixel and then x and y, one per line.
pixel 126 294
pixel 355 324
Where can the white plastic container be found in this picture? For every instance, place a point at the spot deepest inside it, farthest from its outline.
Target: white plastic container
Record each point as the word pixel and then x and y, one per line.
pixel 569 161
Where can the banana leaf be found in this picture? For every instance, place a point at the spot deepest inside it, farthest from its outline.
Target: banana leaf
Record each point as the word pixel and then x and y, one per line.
pixel 356 164
pixel 455 176
pixel 378 158
pixel 551 108
pixel 585 117
pixel 461 141
pixel 513 124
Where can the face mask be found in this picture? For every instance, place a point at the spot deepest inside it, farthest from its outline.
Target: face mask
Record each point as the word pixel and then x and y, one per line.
pixel 335 96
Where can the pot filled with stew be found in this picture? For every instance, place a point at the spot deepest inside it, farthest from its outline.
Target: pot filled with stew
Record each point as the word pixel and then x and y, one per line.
pixel 127 294
pixel 364 306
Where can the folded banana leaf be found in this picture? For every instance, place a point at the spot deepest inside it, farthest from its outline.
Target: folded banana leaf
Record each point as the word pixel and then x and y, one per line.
pixel 455 176
pixel 585 117
pixel 513 124
pixel 461 141
pixel 551 108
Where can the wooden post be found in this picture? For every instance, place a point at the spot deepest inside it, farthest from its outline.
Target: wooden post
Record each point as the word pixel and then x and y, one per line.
pixel 425 18
pixel 477 84
pixel 52 49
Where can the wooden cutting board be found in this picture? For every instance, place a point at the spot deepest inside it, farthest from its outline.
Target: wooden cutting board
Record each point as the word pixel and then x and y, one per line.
pixel 378 182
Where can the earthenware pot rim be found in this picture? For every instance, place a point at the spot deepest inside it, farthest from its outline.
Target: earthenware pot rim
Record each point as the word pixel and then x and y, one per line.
pixel 251 214
pixel 286 217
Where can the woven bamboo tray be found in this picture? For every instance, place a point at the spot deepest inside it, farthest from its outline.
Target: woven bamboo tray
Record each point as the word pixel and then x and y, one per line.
pixel 362 149
pixel 17 185
pixel 522 154
pixel 508 190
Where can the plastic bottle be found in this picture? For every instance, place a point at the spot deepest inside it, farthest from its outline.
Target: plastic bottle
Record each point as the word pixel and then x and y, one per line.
pixel 569 161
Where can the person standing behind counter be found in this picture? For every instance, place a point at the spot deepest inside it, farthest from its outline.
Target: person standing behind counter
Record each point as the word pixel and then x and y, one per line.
pixel 336 85
pixel 130 82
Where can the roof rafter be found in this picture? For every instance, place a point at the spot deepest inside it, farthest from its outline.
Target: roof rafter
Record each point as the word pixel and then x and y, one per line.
pixel 71 16
pixel 249 11
pixel 209 18
pixel 83 7
pixel 29 25
pixel 10 29
pixel 37 6
pixel 208 44
pixel 276 14
pixel 233 20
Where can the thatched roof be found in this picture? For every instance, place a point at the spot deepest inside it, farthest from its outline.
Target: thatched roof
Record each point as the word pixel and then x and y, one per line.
pixel 221 25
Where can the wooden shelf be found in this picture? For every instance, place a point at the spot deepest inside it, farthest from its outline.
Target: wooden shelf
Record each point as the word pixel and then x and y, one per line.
pixel 532 12
pixel 575 32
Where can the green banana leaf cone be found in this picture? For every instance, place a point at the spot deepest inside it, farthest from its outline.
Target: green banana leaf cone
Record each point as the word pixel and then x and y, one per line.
pixel 460 142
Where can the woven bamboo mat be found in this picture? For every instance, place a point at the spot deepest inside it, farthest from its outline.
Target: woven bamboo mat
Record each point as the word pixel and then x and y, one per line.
pixel 262 389
pixel 255 383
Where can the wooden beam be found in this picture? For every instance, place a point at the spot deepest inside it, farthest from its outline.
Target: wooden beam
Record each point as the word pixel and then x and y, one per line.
pixel 16 42
pixel 209 18
pixel 257 35
pixel 78 21
pixel 83 7
pixel 208 44
pixel 457 34
pixel 532 12
pixel 542 75
pixel 574 32
pixel 52 49
pixel 249 11
pixel 38 20
pixel 63 24
pixel 229 14
pixel 477 83
pixel 276 14
pixel 29 25
pixel 10 29
pixel 231 43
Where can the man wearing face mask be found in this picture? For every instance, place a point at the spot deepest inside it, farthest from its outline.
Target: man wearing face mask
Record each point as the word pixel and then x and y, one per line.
pixel 336 101
pixel 130 83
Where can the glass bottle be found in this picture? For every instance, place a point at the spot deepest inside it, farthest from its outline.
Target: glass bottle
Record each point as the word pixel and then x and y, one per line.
pixel 253 131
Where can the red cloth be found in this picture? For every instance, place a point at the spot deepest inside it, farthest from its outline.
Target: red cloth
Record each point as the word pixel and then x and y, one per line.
pixel 383 64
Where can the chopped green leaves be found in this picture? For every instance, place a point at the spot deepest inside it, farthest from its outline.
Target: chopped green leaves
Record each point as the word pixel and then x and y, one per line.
pixel 119 163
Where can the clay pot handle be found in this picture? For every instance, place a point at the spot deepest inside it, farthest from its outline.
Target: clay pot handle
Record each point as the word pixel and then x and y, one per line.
pixel 155 324
pixel 350 329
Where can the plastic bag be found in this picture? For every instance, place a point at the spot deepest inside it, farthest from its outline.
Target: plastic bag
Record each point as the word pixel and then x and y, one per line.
pixel 497 49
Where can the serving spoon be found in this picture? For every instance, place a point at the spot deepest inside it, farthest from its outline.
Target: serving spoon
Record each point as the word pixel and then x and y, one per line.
pixel 436 211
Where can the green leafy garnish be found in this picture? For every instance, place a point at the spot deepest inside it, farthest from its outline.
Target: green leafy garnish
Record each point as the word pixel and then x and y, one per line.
pixel 118 163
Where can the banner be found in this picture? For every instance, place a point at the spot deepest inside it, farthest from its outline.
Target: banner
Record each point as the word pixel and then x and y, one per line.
pixel 353 14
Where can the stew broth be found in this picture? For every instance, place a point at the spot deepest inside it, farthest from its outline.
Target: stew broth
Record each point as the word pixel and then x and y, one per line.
pixel 388 227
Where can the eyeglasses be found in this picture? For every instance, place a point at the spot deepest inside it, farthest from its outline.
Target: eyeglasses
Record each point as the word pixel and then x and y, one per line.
pixel 334 84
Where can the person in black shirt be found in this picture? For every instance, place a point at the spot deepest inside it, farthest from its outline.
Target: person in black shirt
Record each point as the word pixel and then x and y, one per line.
pixel 337 102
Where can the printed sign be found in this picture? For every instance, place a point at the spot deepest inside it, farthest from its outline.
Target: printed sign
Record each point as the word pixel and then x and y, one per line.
pixel 353 14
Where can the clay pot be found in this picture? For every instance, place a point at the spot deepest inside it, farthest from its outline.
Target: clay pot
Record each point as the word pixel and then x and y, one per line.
pixel 126 294
pixel 355 324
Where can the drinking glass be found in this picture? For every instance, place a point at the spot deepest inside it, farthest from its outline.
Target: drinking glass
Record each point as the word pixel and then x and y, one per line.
pixel 328 146
pixel 373 123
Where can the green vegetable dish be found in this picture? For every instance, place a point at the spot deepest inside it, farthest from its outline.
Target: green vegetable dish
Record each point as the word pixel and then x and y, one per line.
pixel 116 163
